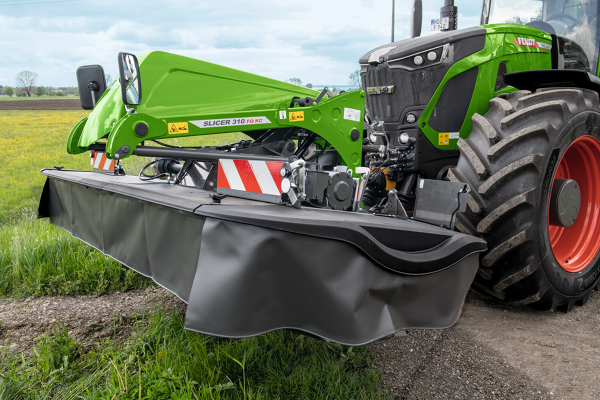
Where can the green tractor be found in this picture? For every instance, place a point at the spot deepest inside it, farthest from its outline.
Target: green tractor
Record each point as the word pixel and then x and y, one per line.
pixel 511 108
pixel 468 157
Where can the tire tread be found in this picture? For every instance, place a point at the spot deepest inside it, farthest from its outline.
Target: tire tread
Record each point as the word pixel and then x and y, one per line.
pixel 503 161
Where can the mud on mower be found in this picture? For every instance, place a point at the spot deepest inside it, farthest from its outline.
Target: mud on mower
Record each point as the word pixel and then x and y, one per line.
pixel 469 157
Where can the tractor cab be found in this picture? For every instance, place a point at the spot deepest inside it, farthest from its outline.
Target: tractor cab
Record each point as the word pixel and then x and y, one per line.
pixel 572 23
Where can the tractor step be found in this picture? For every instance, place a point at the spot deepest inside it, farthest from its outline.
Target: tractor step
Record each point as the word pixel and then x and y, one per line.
pixel 247 267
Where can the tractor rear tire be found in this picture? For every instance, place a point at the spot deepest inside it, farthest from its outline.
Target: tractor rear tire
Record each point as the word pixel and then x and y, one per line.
pixel 511 160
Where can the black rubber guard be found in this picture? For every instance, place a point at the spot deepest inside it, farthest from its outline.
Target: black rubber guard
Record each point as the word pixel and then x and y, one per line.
pixel 246 268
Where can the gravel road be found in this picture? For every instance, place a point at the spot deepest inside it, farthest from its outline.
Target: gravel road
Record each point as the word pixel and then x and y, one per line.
pixel 493 352
pixel 498 352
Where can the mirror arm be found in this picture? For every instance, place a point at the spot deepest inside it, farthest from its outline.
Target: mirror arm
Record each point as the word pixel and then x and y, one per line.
pixel 93 86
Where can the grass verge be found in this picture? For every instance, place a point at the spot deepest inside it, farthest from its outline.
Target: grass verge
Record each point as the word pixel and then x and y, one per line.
pixel 38 259
pixel 161 360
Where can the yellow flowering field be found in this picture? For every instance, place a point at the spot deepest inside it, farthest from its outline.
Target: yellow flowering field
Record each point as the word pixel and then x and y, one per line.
pixel 30 141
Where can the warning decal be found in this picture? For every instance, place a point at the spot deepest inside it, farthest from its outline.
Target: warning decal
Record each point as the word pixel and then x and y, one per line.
pixel 296 116
pixel 226 122
pixel 178 127
pixel 282 114
pixel 352 114
pixel 528 42
pixel 444 139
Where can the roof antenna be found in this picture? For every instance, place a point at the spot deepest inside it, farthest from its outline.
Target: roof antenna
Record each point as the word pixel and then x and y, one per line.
pixel 393 15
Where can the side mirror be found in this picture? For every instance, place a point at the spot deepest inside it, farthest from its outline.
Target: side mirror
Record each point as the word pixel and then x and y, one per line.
pixel 92 84
pixel 416 19
pixel 131 85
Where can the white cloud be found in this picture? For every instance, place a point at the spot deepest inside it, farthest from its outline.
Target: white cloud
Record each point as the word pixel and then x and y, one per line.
pixel 317 41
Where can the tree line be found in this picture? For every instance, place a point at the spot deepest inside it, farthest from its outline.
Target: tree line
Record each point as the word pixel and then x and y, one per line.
pixel 39 91
pixel 353 80
pixel 26 86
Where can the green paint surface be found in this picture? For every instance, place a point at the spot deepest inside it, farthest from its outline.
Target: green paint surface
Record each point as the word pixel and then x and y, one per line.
pixel 499 47
pixel 182 97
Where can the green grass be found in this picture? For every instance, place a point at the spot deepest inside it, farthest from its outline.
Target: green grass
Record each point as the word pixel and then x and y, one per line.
pixel 164 361
pixel 30 141
pixel 160 360
pixel 38 259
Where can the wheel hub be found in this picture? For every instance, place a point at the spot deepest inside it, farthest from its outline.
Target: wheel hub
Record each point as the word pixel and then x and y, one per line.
pixel 565 202
pixel 574 205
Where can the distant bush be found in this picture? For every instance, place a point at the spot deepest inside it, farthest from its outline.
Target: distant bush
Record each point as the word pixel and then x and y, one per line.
pixel 59 93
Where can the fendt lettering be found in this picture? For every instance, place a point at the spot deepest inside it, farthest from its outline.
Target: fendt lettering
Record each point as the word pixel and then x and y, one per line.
pixel 526 42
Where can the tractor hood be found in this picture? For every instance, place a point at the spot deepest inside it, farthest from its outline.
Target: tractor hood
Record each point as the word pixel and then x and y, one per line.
pixel 407 47
pixel 389 70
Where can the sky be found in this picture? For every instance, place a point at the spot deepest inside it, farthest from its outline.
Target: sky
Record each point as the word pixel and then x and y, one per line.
pixel 318 41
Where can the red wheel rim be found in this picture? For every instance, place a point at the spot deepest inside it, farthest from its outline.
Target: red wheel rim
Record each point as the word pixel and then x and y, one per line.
pixel 576 246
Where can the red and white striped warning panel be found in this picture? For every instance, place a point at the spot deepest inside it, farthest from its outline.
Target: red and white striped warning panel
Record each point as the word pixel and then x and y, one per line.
pixel 258 180
pixel 99 161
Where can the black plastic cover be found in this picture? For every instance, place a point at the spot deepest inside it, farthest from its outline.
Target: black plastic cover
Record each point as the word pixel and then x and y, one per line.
pixel 247 267
pixel 394 244
pixel 451 107
pixel 439 201
pixel 156 242
pixel 252 280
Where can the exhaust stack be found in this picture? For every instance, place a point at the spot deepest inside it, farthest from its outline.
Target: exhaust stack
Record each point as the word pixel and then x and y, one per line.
pixel 450 11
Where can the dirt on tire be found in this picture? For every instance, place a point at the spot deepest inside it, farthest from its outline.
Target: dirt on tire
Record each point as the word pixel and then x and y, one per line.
pixel 62 104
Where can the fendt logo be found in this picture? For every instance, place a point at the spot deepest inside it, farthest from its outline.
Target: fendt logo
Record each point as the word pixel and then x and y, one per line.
pixel 528 42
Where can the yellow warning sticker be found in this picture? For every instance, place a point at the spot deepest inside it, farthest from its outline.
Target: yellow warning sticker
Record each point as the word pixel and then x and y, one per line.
pixel 296 116
pixel 444 139
pixel 178 127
